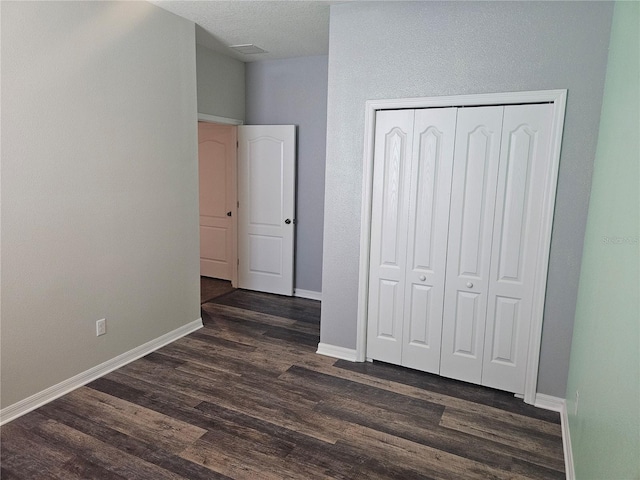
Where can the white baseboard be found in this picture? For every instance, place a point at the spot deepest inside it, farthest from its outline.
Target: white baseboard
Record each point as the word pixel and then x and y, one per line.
pixel 560 405
pixel 310 294
pixel 566 444
pixel 555 404
pixel 337 352
pixel 45 396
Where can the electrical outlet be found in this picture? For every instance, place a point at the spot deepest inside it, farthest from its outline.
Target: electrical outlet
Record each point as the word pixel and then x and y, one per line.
pixel 575 407
pixel 101 327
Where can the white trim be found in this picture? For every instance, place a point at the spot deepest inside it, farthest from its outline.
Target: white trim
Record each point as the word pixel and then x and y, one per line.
pixel 45 396
pixel 365 229
pixel 555 404
pixel 337 352
pixel 544 247
pixel 310 294
pixel 569 468
pixel 204 117
pixel 559 99
pixel 560 405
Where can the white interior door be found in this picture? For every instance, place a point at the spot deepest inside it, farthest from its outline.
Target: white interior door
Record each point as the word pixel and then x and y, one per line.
pixel 429 196
pixel 266 212
pixel 473 191
pixel 524 164
pixel 389 219
pixel 217 178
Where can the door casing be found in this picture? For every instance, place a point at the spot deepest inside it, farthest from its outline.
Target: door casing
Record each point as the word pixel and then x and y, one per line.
pixel 556 97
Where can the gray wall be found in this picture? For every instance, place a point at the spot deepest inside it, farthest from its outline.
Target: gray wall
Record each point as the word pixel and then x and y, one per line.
pixel 396 49
pixel 99 185
pixel 294 91
pixel 220 84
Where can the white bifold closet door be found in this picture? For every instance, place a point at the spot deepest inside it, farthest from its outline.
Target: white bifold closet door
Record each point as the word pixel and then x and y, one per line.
pixel 456 209
pixel 524 162
pixel 473 194
pixel 391 176
pixel 500 165
pixel 429 195
pixel 412 174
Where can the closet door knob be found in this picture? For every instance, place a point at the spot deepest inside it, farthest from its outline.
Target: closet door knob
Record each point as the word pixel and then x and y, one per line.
pixel 469 285
pixel 422 278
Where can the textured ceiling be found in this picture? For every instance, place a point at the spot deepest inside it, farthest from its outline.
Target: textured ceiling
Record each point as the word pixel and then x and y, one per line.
pixel 284 29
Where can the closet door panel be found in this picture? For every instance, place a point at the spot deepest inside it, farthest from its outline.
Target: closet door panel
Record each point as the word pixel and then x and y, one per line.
pixel 392 169
pixel 465 342
pixel 473 190
pixel 429 196
pixel 524 164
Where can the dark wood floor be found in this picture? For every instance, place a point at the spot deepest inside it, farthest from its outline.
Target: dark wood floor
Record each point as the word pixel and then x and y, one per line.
pixel 247 397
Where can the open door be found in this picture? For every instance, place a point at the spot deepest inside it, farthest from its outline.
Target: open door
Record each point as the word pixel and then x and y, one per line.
pixel 217 178
pixel 266 211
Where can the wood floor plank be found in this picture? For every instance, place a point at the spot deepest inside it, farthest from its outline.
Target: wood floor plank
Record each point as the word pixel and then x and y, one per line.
pixel 277 390
pixel 80 469
pixel 205 350
pixel 293 337
pixel 214 340
pixel 502 432
pixel 451 441
pixel 231 462
pixel 132 385
pixel 6 474
pixel 421 458
pixel 255 459
pixel 452 388
pixel 247 397
pixel 480 409
pixel 284 413
pixel 27 454
pixel 97 452
pixel 254 319
pixel 225 360
pixel 301 310
pixel 363 395
pixel 290 353
pixel 211 288
pixel 131 419
pixel 148 452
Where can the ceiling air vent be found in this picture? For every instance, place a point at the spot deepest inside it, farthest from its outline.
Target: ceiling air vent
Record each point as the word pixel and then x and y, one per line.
pixel 247 49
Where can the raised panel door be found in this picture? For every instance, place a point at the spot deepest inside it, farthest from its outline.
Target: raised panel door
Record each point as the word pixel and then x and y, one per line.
pixel 217 179
pixel 473 190
pixel 524 164
pixel 266 192
pixel 389 214
pixel 429 195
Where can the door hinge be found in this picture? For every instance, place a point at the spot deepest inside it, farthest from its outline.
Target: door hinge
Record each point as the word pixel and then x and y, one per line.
pixel 238 262
pixel 238 203
pixel 237 144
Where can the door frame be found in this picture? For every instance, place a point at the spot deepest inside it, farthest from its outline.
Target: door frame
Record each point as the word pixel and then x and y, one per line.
pixel 556 97
pixel 206 118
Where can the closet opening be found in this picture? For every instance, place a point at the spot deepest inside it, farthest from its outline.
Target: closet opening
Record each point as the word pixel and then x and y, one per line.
pixel 458 200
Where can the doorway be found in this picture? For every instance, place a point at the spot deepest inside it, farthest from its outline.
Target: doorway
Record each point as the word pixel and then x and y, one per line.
pixel 247 204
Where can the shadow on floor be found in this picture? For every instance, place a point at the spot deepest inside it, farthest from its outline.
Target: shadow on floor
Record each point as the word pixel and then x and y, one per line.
pixel 211 288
